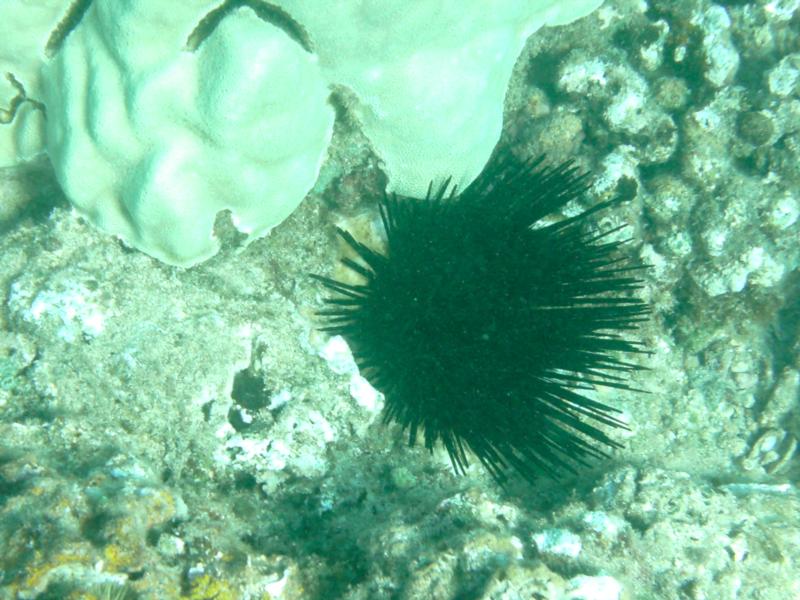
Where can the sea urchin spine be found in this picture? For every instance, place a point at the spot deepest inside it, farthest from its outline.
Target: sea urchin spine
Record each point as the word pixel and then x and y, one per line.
pixel 484 327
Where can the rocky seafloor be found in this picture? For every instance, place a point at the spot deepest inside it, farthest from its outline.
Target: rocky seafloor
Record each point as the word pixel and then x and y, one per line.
pixel 174 433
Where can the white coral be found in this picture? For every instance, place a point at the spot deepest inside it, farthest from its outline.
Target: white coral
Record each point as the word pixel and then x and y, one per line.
pixel 151 138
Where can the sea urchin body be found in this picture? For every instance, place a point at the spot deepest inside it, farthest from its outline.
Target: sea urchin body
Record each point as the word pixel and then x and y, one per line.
pixel 485 327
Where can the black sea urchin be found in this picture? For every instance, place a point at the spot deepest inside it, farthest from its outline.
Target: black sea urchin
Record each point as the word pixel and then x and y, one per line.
pixel 484 327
